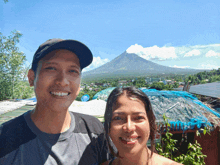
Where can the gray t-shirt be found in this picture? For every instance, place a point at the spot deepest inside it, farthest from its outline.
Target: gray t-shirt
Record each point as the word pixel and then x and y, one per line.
pixel 22 143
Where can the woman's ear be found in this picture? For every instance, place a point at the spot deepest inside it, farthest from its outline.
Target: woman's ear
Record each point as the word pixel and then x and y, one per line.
pixel 31 77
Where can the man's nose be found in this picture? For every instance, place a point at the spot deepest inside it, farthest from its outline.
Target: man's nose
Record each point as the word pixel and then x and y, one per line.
pixel 62 79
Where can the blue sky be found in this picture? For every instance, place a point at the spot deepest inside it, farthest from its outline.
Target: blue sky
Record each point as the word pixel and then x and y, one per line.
pixel 175 33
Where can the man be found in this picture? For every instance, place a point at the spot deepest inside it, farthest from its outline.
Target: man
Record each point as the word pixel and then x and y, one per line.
pixel 50 134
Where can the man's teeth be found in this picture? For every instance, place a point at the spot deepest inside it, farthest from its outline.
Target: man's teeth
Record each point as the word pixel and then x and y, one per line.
pixel 129 139
pixel 59 93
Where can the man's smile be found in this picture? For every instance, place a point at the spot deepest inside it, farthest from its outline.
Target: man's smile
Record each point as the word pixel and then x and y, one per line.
pixel 60 93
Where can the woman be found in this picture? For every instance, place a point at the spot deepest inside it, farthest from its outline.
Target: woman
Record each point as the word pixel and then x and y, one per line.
pixel 129 123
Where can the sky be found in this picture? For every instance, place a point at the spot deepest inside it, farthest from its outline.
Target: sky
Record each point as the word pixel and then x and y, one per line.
pixel 175 33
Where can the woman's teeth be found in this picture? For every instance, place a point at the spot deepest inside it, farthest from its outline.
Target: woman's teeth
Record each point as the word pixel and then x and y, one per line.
pixel 129 139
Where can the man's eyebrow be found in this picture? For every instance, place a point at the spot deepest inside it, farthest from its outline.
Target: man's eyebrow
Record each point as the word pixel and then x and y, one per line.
pixel 48 63
pixel 54 63
pixel 75 66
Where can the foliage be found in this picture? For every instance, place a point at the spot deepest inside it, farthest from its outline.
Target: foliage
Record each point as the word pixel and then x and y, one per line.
pixel 204 77
pixel 168 146
pixel 194 155
pixel 90 93
pixel 12 72
pixel 23 90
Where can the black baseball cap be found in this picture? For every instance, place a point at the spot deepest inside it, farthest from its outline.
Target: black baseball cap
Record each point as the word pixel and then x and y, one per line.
pixel 82 51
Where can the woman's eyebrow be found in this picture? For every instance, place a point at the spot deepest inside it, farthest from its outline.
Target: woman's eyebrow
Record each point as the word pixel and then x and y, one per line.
pixel 118 113
pixel 122 113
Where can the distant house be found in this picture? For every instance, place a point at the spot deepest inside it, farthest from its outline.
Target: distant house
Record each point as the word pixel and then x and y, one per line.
pixel 122 82
pixel 169 81
pixel 106 85
pixel 101 84
pixel 82 87
pixel 96 89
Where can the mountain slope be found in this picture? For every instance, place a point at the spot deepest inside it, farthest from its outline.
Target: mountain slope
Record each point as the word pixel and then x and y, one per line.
pixel 128 64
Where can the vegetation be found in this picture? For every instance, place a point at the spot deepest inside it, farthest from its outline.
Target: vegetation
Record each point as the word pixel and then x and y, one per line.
pixel 90 93
pixel 204 77
pixel 13 82
pixel 193 156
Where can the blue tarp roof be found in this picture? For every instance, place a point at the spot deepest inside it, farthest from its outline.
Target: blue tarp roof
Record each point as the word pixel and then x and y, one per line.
pixel 180 107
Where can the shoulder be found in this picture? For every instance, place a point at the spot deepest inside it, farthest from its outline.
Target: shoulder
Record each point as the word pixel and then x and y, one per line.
pixel 90 122
pixel 105 163
pixel 158 159
pixel 13 134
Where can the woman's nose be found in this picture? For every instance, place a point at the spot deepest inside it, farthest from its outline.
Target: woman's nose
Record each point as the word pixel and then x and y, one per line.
pixel 129 126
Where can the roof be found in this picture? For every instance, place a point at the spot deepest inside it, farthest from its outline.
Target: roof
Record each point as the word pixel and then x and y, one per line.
pixel 209 89
pixel 179 106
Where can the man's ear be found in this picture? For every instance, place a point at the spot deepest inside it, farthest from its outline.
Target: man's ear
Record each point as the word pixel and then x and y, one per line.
pixel 31 77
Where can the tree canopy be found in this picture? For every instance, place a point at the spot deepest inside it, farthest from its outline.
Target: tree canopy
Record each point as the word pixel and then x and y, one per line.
pixel 12 70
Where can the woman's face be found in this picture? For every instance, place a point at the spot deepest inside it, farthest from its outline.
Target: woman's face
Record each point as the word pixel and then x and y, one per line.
pixel 130 128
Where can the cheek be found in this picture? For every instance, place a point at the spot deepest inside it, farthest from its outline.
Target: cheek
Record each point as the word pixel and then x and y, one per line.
pixel 114 133
pixel 144 130
pixel 76 81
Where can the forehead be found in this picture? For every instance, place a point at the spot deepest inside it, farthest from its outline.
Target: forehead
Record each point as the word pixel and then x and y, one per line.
pixel 131 103
pixel 61 54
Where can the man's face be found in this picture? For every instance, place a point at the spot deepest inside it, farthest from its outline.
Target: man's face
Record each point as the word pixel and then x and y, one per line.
pixel 57 79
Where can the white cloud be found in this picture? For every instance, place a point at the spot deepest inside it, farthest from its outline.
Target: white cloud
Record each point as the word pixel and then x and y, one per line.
pixel 205 46
pixel 194 52
pixel 154 52
pixel 183 67
pixel 208 66
pixel 212 53
pixel 135 49
pixel 97 61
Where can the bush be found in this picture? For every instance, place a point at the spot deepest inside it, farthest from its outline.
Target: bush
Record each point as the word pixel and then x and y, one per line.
pixel 194 155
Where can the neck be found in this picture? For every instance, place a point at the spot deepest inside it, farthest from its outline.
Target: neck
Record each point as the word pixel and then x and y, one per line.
pixel 50 121
pixel 135 159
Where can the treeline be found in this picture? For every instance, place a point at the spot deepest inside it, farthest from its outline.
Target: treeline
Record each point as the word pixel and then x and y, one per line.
pixel 204 77
pixel 115 82
pixel 13 81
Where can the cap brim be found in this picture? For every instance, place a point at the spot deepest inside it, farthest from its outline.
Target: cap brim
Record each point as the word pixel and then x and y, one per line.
pixel 82 51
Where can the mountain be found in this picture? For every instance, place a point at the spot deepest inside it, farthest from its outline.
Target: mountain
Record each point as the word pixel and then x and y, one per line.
pixel 129 64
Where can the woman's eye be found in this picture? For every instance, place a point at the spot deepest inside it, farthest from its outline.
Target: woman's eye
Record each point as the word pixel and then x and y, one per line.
pixel 140 117
pixel 117 118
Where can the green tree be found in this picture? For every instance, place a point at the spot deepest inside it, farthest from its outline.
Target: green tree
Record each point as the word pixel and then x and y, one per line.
pixel 11 65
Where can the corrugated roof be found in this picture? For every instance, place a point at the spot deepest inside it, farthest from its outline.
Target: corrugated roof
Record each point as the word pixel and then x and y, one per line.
pixel 209 89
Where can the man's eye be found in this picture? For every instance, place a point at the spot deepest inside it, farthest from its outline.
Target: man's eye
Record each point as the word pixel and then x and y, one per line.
pixel 74 71
pixel 50 68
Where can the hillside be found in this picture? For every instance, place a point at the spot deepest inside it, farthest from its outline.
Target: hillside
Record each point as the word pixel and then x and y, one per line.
pixel 128 64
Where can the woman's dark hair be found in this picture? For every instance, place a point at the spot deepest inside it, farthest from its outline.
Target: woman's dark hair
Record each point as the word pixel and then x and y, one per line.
pixel 134 93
